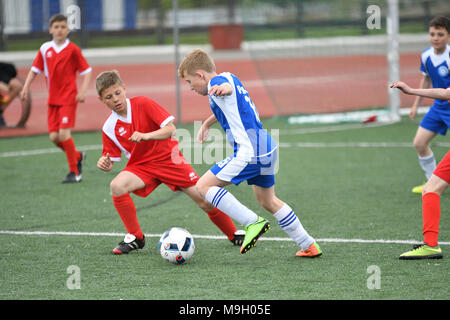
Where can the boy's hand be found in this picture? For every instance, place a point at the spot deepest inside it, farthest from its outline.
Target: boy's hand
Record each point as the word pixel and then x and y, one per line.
pixel 401 86
pixel 139 136
pixel 413 112
pixel 105 163
pixel 81 97
pixel 224 89
pixel 203 134
pixel 24 93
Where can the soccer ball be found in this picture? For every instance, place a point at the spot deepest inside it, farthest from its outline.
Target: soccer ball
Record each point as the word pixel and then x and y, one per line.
pixel 176 245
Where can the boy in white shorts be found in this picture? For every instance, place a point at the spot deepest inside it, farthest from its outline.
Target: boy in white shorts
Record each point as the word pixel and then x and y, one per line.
pixel 254 155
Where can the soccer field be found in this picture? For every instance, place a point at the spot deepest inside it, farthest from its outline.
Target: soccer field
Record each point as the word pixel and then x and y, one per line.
pixel 348 183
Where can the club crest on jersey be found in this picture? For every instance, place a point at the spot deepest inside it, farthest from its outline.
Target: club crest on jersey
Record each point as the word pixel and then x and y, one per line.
pixel 122 131
pixel 49 54
pixel 192 176
pixel 443 71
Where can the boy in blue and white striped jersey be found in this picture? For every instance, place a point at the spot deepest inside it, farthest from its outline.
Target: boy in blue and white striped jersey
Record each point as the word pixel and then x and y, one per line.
pixel 254 157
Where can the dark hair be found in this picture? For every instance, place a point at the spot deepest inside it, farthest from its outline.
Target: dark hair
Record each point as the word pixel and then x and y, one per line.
pixel 107 79
pixel 440 22
pixel 57 18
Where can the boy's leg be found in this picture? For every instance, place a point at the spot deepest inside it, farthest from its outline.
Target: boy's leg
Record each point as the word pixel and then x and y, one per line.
pixel 210 187
pixel 431 212
pixel 425 155
pixel 287 220
pixel 121 186
pixel 220 219
pixel 72 154
pixel 60 120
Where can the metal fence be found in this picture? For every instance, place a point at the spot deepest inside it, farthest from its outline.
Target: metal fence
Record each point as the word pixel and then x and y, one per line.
pixel 25 19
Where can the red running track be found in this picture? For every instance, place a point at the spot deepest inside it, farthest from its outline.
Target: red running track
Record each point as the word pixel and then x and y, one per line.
pixel 277 86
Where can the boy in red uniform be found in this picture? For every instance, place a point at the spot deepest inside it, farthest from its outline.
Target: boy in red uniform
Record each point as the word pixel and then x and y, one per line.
pixel 432 190
pixel 142 130
pixel 60 60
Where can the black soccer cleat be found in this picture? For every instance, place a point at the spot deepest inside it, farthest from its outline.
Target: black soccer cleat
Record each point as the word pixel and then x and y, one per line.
pixel 72 178
pixel 238 239
pixel 81 162
pixel 129 244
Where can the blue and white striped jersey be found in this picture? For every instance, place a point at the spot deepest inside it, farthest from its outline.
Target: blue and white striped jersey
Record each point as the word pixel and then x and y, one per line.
pixel 239 119
pixel 436 67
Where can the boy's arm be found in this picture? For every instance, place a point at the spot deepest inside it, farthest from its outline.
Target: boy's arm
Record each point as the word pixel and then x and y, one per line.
pixel 26 87
pixel 161 134
pixel 203 133
pixel 224 89
pixel 433 93
pixel 424 84
pixel 81 96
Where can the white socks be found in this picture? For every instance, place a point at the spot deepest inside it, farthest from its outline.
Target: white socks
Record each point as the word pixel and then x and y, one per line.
pixel 292 226
pixel 428 164
pixel 227 203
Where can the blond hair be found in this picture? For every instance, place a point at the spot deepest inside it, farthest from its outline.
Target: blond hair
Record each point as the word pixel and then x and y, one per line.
pixel 107 79
pixel 197 59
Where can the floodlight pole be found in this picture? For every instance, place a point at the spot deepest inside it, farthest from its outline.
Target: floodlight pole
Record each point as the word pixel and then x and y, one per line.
pixel 392 25
pixel 2 28
pixel 177 57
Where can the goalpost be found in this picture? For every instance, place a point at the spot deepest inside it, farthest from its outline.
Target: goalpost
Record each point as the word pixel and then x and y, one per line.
pixel 392 22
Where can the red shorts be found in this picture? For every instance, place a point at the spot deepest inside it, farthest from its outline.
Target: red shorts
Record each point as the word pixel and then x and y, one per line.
pixel 61 117
pixel 172 175
pixel 443 168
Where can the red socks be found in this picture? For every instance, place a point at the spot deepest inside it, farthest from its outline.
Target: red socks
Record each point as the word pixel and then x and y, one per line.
pixel 127 212
pixel 72 154
pixel 223 222
pixel 431 213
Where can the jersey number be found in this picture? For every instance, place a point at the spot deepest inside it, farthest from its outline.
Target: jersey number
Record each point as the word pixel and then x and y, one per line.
pixel 250 102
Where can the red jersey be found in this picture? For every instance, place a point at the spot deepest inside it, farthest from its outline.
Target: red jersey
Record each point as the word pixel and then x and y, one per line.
pixel 143 115
pixel 60 66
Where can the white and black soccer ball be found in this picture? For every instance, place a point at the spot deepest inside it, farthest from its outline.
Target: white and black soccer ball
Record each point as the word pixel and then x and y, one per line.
pixel 176 245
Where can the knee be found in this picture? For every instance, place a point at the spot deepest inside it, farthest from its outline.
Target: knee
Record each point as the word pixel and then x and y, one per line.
pixel 54 137
pixel 117 188
pixel 418 144
pixel 201 188
pixel 15 85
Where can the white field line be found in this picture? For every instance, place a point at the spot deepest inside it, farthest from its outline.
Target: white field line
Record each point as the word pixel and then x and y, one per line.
pixel 283 132
pixel 210 237
pixel 186 145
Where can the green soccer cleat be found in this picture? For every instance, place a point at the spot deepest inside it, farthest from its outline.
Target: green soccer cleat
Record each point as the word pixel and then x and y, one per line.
pixel 253 232
pixel 418 189
pixel 422 251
